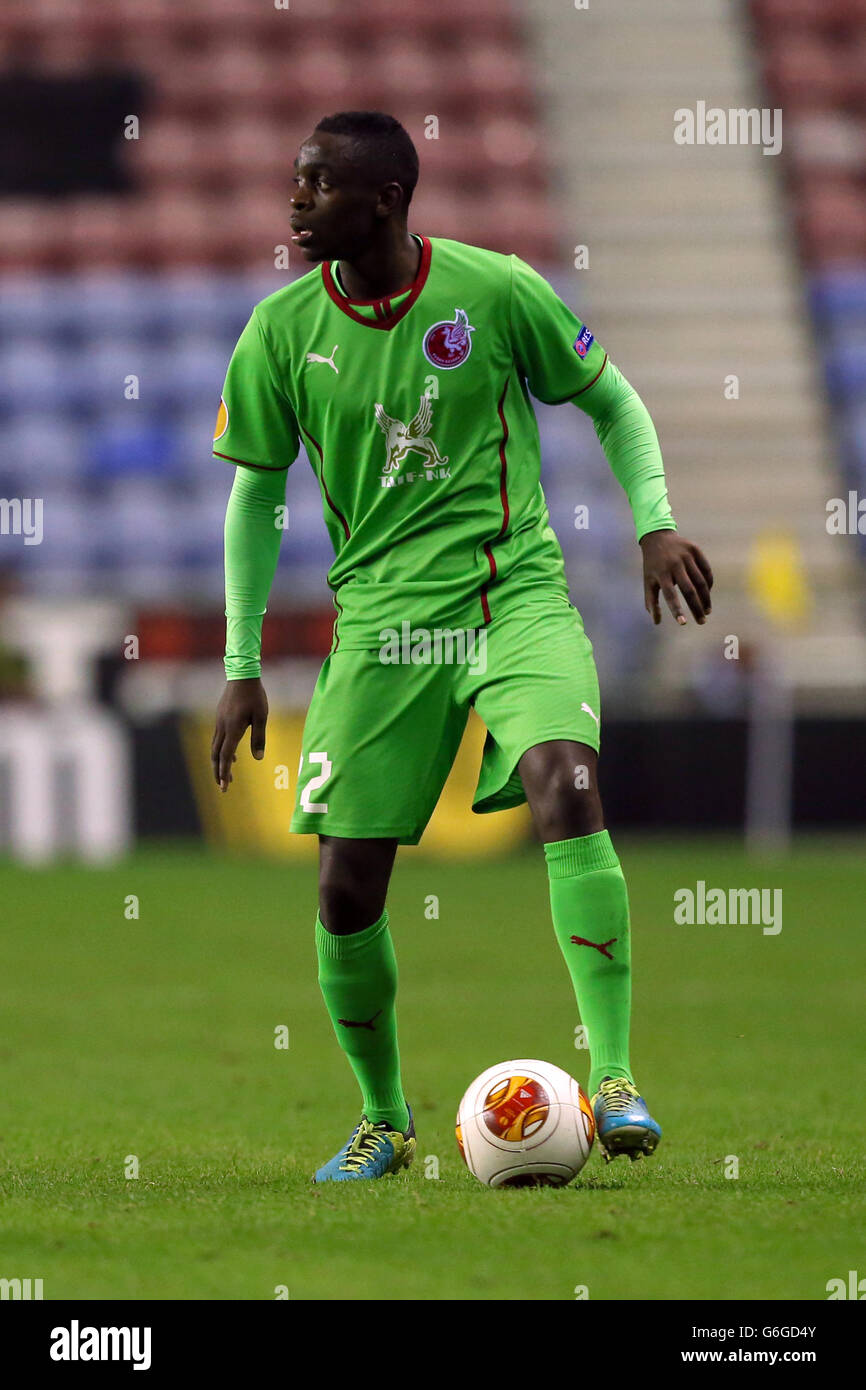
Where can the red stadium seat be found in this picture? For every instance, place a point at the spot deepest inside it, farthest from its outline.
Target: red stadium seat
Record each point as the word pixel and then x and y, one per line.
pixel 186 230
pixel 857 66
pixel 497 73
pixel 254 151
pixel 807 72
pixel 29 235
pixel 260 225
pixel 826 141
pixel 322 76
pixel 223 117
pixel 169 153
pixel 430 75
pixel 832 219
pixel 781 16
pixel 515 146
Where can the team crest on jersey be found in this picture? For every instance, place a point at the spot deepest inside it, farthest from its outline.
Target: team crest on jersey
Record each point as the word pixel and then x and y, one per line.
pixel 583 342
pixel 222 420
pixel 401 440
pixel 447 344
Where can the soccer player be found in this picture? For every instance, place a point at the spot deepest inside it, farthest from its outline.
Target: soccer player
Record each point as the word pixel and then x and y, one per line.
pixel 405 363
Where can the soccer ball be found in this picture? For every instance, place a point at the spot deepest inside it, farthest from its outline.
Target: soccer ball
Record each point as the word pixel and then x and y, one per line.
pixel 525 1124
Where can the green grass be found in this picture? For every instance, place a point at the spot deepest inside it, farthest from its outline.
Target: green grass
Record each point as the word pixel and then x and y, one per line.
pixel 154 1038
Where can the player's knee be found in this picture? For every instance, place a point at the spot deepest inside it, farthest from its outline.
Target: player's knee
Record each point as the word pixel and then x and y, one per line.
pixel 348 900
pixel 569 822
pixel 568 804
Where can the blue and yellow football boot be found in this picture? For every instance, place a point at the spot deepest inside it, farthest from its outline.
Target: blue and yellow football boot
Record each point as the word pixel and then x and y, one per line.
pixel 372 1151
pixel 623 1123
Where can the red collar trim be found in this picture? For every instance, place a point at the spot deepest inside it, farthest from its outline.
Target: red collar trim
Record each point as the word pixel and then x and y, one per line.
pixel 386 317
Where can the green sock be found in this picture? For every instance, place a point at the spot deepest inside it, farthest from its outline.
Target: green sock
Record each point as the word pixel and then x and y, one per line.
pixel 358 978
pixel 589 901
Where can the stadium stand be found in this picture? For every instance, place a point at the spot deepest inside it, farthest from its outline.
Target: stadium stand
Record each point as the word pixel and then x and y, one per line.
pixel 106 296
pixel 119 310
pixel 699 278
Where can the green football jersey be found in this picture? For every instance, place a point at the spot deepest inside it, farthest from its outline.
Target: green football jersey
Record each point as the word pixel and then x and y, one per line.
pixel 416 416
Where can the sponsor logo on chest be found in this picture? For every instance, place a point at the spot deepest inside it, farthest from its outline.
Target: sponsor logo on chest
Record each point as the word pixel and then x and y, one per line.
pixel 401 440
pixel 446 345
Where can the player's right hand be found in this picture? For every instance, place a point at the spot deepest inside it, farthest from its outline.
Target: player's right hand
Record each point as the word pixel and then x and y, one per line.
pixel 244 705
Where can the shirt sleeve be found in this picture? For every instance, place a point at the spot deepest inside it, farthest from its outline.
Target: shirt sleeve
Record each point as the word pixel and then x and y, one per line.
pixel 554 350
pixel 628 437
pixel 252 547
pixel 256 423
pixel 561 361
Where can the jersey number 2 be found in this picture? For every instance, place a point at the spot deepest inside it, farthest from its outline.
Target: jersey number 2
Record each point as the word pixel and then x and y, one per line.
pixel 315 782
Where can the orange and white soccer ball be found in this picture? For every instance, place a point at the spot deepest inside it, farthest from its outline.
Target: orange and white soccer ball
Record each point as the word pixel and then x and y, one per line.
pixel 525 1124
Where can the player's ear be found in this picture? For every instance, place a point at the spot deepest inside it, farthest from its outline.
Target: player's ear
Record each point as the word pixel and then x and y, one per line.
pixel 390 200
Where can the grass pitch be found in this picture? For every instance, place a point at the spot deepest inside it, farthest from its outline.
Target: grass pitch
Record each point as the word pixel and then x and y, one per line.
pixel 151 1042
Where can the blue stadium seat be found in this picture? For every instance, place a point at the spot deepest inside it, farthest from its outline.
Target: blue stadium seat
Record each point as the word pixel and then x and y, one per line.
pixel 131 442
pixel 38 306
pixel 853 429
pixel 68 527
pixel 43 449
pixel 107 367
pixel 215 303
pixel 846 362
pixel 32 377
pixel 134 499
pixel 120 305
pixel 198 366
pixel 839 293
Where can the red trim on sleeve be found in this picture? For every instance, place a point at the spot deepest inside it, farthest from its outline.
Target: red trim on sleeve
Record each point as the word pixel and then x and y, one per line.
pixel 590 383
pixel 262 467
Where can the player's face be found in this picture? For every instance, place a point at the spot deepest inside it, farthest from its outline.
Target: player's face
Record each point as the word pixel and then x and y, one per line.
pixel 333 202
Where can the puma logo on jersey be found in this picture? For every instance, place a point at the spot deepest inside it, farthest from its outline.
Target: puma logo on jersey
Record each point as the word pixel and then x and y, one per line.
pixel 401 439
pixel 591 712
pixel 317 357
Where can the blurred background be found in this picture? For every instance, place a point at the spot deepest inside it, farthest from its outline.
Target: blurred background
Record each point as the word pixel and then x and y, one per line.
pixel 144 181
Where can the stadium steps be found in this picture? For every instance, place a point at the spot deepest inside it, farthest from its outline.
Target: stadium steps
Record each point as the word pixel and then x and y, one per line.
pixel 692 276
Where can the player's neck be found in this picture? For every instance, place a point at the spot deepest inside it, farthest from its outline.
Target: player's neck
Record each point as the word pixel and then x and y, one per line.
pixel 382 270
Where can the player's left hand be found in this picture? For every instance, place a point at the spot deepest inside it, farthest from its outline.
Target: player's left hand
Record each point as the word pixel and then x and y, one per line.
pixel 669 563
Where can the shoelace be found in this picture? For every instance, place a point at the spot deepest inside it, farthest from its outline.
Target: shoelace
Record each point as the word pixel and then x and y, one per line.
pixel 366 1143
pixel 618 1094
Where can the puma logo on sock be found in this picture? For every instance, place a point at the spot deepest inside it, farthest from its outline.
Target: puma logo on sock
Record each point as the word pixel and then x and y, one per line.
pixel 599 946
pixel 363 1023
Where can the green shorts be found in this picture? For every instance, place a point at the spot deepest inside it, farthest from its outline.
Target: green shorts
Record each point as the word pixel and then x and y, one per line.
pixel 381 735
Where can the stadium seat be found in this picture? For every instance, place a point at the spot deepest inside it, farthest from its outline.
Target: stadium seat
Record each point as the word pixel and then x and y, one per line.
pixel 809 72
pixel 832 219
pixel 158 285
pixel 846 362
pixel 840 293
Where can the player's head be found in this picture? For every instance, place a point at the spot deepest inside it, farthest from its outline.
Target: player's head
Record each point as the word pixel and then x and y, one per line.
pixel 354 179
